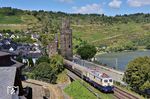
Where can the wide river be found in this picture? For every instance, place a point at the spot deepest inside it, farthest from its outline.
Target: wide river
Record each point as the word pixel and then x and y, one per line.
pixel 120 60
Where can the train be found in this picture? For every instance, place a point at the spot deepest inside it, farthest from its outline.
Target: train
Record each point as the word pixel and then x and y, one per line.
pixel 101 81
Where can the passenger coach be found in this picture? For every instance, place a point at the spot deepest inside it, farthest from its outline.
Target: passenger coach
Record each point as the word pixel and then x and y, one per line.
pixel 99 80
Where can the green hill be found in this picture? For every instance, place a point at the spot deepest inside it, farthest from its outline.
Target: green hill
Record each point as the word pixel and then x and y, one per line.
pixel 118 32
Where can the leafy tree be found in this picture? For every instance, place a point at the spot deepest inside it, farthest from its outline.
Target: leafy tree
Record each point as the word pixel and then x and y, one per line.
pixel 148 46
pixel 87 51
pixel 45 72
pixel 31 64
pixel 43 59
pixel 145 86
pixel 137 74
pixel 19 59
pixel 57 63
pixel 45 39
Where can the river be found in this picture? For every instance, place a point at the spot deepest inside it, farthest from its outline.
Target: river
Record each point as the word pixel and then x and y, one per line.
pixel 121 59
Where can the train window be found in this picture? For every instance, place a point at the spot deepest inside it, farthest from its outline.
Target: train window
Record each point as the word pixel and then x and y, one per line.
pixel 97 79
pixel 105 80
pixel 110 80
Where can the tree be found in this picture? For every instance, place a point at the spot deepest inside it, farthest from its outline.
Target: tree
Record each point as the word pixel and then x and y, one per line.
pixel 45 72
pixel 148 46
pixel 30 62
pixel 57 63
pixel 137 74
pixel 145 86
pixel 19 59
pixel 43 59
pixel 86 51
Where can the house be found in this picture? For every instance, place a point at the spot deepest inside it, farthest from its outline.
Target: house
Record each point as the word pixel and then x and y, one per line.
pixel 17 36
pixel 12 36
pixel 27 51
pixel 6 41
pixel 8 45
pixel 11 49
pixel 1 35
pixel 10 77
pixel 34 36
pixel 33 55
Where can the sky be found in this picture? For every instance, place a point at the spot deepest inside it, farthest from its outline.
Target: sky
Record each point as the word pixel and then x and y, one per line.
pixel 107 7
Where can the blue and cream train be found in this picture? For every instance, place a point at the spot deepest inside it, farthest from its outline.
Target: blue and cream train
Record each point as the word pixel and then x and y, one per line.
pixel 99 80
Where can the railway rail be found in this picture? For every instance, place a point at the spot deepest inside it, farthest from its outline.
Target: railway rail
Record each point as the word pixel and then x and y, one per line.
pixel 121 94
pixel 118 93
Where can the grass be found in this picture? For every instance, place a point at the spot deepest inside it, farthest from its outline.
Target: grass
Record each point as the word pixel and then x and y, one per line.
pixel 62 77
pixel 10 19
pixel 94 34
pixel 77 91
pixel 13 27
pixel 99 34
pixel 17 22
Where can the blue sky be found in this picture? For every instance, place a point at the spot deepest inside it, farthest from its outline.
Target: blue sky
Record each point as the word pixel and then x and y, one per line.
pixel 108 7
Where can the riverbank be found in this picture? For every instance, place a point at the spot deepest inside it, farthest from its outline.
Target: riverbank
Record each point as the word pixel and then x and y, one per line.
pixel 119 60
pixel 100 53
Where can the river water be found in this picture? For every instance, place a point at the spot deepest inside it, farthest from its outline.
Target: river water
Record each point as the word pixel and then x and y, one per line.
pixel 121 59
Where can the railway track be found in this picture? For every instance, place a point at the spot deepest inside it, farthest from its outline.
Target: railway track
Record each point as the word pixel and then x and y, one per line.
pixel 121 94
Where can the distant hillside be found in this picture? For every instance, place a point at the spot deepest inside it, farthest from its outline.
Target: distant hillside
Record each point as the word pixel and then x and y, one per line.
pixel 94 28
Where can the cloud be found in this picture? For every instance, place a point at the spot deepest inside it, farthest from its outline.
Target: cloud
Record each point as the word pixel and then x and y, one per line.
pixel 65 1
pixel 89 9
pixel 115 4
pixel 138 3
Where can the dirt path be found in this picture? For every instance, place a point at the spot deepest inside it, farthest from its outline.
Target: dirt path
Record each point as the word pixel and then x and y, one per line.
pixel 62 87
pixel 115 36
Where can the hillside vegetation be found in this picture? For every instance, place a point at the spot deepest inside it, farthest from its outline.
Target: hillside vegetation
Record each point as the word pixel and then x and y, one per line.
pixel 120 32
pixel 78 91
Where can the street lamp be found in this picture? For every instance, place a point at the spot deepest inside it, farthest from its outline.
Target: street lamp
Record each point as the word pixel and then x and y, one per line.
pixel 116 63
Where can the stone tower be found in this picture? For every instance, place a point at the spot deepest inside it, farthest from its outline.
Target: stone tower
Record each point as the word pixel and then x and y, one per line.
pixel 66 40
pixel 53 47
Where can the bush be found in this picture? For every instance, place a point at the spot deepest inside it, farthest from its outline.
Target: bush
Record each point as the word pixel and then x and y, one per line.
pixel 44 72
pixel 43 59
pixel 57 63
pixel 137 74
pixel 87 51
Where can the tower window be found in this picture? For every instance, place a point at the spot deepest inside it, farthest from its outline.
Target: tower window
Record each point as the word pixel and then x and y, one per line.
pixel 69 46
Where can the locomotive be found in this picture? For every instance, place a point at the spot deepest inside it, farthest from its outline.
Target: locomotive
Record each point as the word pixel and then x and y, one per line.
pixel 99 80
